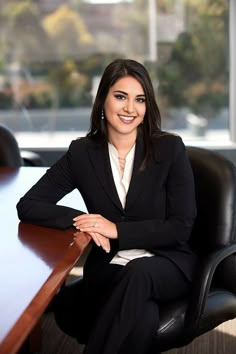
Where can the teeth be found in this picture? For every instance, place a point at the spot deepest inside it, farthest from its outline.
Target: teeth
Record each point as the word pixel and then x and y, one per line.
pixel 126 118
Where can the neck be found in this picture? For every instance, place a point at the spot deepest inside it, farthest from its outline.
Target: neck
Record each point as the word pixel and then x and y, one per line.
pixel 123 144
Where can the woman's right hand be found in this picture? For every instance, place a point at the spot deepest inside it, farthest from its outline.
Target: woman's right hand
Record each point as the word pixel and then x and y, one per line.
pixel 101 241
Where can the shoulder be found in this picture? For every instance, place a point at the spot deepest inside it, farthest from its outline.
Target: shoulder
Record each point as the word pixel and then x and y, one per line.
pixel 168 138
pixel 78 143
pixel 82 144
pixel 168 145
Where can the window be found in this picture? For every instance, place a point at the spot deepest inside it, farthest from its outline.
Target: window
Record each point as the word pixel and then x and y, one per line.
pixel 53 52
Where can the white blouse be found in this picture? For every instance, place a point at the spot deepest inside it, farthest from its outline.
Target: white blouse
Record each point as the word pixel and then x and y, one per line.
pixel 122 186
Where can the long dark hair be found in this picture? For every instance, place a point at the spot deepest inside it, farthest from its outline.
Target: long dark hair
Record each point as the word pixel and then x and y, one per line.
pixel 151 125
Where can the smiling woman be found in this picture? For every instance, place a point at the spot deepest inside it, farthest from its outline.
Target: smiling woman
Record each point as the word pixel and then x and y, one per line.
pixel 140 255
pixel 124 110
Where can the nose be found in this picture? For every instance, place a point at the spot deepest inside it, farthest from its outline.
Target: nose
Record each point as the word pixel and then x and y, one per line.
pixel 129 106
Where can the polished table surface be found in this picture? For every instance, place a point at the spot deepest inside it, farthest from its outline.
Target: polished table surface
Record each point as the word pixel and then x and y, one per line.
pixel 34 260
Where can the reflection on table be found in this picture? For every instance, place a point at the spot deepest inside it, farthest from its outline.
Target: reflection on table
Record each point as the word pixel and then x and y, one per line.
pixel 34 260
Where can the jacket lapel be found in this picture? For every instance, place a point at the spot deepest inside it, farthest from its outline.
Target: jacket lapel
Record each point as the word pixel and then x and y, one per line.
pixel 99 156
pixel 139 178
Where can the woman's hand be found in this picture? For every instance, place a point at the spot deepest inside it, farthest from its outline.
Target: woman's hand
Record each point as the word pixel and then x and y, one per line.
pixel 101 241
pixel 95 224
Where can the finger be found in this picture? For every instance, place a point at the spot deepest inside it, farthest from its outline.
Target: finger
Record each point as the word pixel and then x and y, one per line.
pixel 103 241
pixel 108 247
pixel 88 227
pixel 95 238
pixel 86 217
pixel 93 223
pixel 85 224
pixel 105 244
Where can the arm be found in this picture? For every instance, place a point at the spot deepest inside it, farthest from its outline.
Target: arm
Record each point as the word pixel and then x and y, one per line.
pixel 38 205
pixel 153 234
pixel 180 207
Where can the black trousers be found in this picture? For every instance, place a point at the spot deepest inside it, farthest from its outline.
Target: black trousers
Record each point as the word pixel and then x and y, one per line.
pixel 124 303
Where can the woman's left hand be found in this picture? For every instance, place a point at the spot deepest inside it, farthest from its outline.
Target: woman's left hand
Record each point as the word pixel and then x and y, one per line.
pixel 95 223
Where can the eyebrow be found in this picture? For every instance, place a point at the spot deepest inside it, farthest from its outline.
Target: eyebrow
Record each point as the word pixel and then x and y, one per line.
pixel 126 94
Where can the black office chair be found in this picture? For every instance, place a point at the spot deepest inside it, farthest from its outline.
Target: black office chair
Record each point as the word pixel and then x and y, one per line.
pixel 11 155
pixel 213 296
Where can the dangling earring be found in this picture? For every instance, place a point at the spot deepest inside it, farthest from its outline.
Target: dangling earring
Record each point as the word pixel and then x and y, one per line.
pixel 102 115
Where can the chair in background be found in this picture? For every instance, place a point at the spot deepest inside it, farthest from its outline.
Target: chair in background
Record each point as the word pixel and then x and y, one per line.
pixel 213 296
pixel 11 155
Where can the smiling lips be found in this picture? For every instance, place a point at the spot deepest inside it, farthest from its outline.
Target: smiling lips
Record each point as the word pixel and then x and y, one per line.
pixel 126 119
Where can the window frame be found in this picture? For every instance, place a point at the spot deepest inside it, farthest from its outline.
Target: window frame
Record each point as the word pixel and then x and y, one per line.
pixel 232 70
pixel 231 142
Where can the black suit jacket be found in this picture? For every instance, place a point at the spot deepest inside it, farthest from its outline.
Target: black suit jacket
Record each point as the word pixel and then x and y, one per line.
pixel 160 206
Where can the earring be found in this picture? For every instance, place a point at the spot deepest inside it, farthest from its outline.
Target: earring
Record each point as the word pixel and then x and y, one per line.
pixel 102 115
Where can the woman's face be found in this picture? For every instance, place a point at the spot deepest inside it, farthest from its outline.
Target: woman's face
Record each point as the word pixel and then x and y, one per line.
pixel 125 107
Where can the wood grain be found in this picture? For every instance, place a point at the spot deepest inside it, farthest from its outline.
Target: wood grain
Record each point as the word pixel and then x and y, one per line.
pixel 34 261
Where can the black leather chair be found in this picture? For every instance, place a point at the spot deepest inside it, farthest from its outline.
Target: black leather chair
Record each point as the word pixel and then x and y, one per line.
pixel 11 155
pixel 213 296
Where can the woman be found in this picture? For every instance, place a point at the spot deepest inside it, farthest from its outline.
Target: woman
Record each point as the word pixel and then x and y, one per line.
pixel 137 184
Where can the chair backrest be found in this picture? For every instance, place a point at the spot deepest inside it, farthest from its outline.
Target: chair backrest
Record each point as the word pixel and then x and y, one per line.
pixel 9 150
pixel 215 183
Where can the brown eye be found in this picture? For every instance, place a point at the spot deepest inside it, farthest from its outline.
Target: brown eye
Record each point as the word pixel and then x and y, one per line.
pixel 120 97
pixel 141 99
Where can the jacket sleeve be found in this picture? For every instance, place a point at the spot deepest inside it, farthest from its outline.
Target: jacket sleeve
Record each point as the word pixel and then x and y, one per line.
pixel 175 228
pixel 38 205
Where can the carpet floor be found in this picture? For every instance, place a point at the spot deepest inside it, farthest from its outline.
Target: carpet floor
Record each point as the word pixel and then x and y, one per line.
pixel 221 340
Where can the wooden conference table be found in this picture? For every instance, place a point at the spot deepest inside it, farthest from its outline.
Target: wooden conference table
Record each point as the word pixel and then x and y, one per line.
pixel 34 261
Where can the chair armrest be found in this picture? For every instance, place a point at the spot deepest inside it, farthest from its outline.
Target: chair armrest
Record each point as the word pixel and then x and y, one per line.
pixel 31 158
pixel 202 283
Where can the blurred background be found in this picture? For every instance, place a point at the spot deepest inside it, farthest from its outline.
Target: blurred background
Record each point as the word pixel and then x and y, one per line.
pixel 53 53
